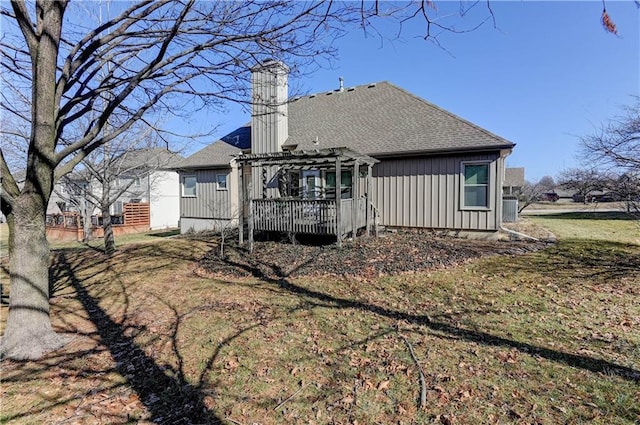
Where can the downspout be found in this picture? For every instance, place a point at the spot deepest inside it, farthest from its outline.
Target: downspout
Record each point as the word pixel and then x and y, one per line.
pixel 522 235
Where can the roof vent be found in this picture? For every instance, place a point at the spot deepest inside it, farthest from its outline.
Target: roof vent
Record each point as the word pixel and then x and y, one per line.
pixel 329 92
pixel 351 89
pixel 312 96
pixel 371 85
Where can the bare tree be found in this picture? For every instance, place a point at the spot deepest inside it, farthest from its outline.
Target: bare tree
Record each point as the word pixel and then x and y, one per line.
pixel 225 222
pixel 627 187
pixel 528 194
pixel 125 171
pixel 583 181
pixel 616 146
pixel 547 183
pixel 73 190
pixel 532 192
pixel 614 151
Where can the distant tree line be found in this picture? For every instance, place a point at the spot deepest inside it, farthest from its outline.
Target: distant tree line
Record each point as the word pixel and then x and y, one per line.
pixel 610 168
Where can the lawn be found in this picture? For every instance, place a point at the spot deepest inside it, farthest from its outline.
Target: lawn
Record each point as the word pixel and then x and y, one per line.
pixel 97 243
pixel 594 225
pixel 549 336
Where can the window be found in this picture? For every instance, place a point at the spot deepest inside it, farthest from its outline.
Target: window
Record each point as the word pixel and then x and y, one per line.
pixel 311 187
pixel 345 184
pixel 475 189
pixel 293 185
pixel 221 181
pixel 189 186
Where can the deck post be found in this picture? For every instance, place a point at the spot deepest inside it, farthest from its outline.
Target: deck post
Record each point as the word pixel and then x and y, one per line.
pixel 367 200
pixel 355 198
pixel 251 218
pixel 240 204
pixel 338 201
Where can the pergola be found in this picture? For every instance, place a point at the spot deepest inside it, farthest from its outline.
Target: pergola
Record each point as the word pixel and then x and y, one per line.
pixel 313 216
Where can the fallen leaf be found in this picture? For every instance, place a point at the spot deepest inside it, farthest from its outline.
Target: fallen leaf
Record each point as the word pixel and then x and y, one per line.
pixel 383 385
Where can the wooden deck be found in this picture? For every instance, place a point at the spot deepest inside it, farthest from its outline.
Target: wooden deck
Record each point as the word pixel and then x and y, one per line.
pixel 68 226
pixel 317 217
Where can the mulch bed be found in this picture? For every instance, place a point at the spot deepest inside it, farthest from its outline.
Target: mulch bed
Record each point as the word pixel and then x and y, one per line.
pixel 389 254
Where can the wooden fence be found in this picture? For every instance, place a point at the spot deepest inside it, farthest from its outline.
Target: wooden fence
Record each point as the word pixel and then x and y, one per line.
pixel 68 226
pixel 137 214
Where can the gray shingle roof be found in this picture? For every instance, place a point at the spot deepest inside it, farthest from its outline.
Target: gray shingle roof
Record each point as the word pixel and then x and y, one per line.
pixel 382 119
pixel 514 176
pixel 378 119
pixel 217 154
pixel 154 158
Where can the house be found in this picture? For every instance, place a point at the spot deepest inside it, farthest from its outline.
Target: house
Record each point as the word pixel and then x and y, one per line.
pixel 136 176
pixel 513 181
pixel 394 158
pixel 150 177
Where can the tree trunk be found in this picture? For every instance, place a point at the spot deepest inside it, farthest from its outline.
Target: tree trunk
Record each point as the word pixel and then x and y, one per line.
pixel 109 240
pixel 28 334
pixel 86 220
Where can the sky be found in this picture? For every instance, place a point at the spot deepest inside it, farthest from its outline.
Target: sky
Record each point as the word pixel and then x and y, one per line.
pixel 546 74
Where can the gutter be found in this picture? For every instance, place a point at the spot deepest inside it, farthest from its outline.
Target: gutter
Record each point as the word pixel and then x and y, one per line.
pixel 439 152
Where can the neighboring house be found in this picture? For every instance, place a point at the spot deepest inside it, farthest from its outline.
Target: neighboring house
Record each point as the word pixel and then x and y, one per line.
pixel 396 158
pixel 513 181
pixel 57 202
pixel 143 176
pixel 155 181
pixel 564 194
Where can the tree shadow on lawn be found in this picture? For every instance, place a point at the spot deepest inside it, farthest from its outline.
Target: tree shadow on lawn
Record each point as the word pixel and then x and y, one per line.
pixel 164 390
pixel 169 399
pixel 330 301
pixel 589 215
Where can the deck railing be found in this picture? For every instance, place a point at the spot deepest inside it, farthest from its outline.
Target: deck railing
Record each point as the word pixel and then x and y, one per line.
pixel 69 226
pixel 316 217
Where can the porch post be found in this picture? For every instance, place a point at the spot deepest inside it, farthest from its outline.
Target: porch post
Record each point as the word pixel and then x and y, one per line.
pixel 251 218
pixel 355 198
pixel 367 200
pixel 240 204
pixel 338 201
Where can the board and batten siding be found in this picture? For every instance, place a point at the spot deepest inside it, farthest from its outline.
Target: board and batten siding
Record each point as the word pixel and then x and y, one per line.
pixel 209 202
pixel 426 192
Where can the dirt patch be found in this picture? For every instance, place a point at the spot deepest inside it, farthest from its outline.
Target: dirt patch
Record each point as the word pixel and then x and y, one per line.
pixel 389 254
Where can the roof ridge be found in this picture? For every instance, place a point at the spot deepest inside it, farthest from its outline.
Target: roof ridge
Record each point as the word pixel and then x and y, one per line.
pixel 344 90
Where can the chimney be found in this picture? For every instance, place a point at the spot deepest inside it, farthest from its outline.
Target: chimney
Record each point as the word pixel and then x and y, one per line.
pixel 269 122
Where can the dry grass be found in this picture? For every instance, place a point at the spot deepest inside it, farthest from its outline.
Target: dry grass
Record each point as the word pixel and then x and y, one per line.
pixel 594 225
pixel 547 337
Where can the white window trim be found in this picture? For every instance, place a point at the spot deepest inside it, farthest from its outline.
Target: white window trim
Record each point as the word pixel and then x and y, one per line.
pixel 182 186
pixel 462 186
pixel 226 182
